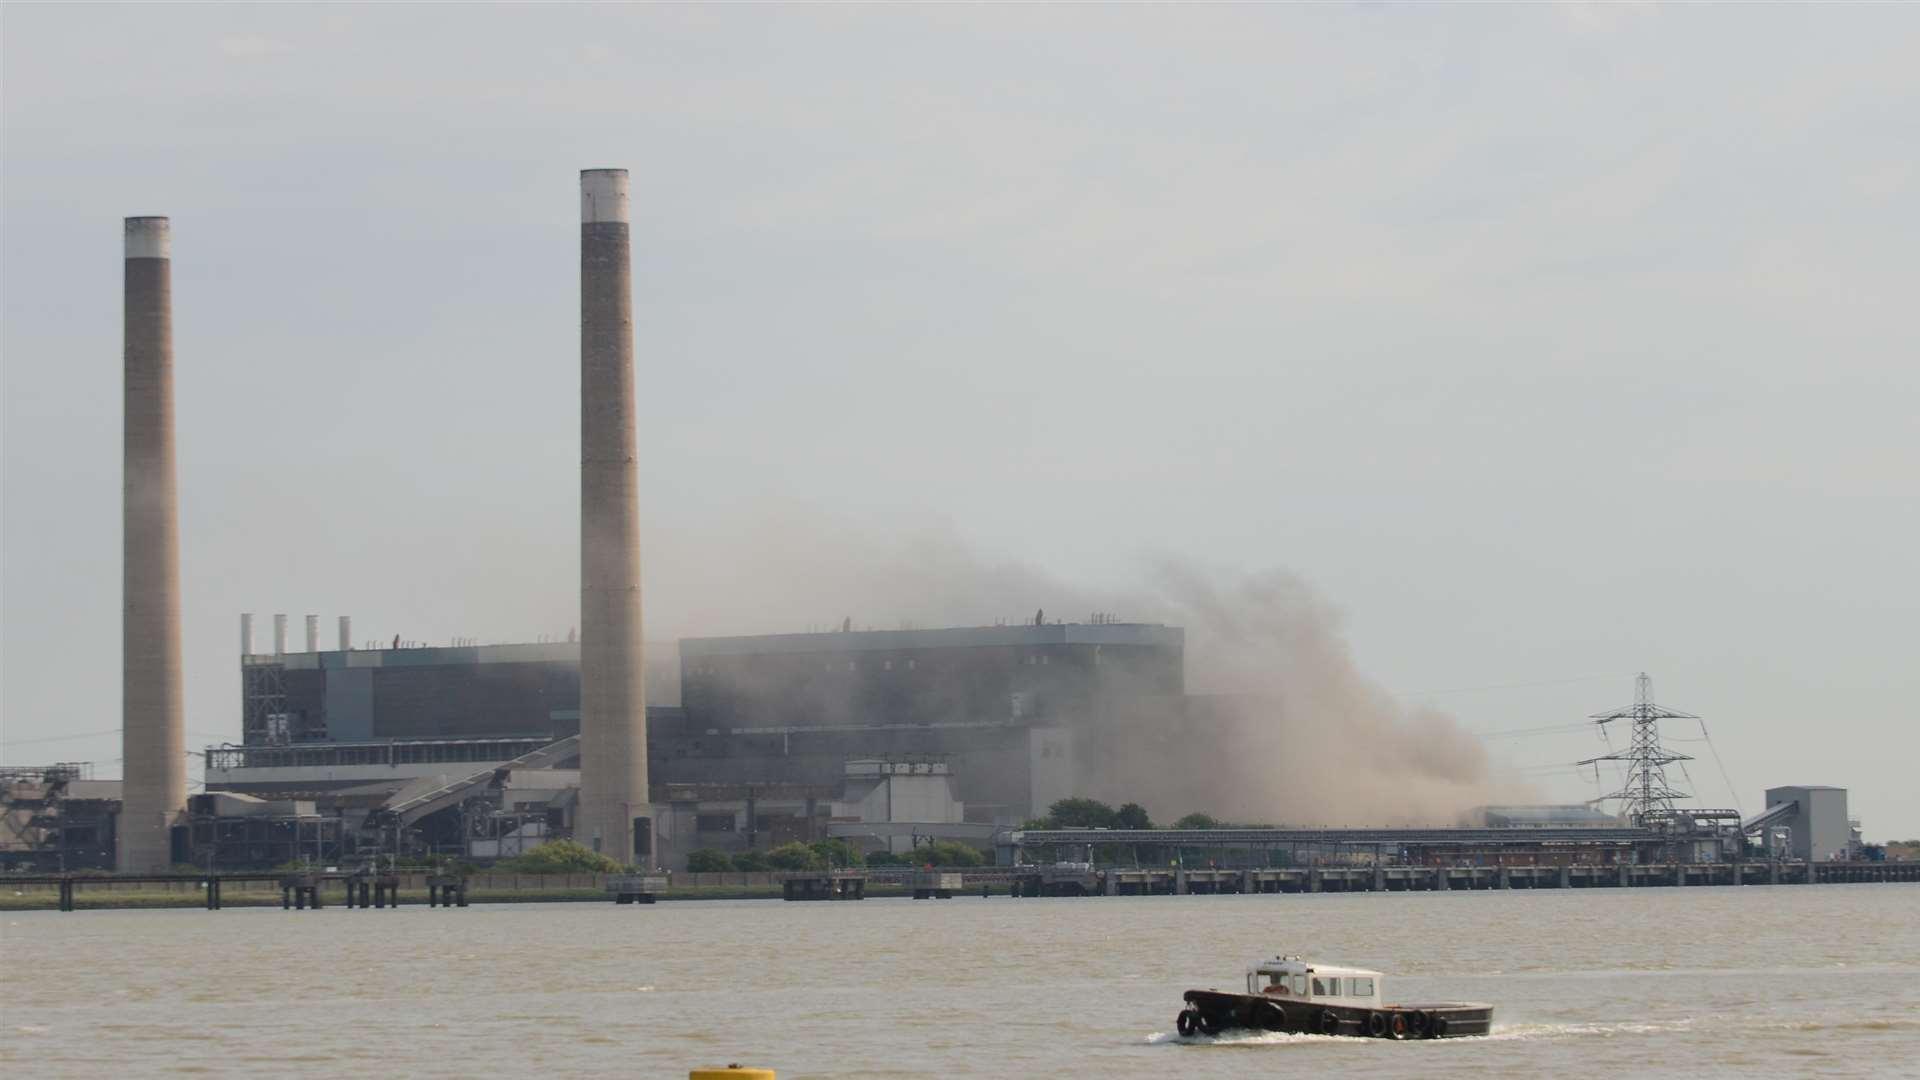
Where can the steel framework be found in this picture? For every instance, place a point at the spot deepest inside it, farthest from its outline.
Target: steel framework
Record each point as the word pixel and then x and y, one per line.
pixel 1645 795
pixel 263 697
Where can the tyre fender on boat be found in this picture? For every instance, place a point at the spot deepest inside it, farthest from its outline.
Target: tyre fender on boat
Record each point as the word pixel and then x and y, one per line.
pixel 1397 1025
pixel 1422 1024
pixel 1184 1022
pixel 1377 1025
pixel 1329 1023
pixel 1438 1027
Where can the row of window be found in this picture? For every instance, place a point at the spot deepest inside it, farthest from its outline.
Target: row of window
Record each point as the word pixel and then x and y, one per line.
pixel 1322 985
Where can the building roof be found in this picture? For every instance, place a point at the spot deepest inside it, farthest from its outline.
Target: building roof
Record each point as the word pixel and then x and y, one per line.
pixel 1140 634
pixel 1294 965
pixel 108 790
pixel 562 652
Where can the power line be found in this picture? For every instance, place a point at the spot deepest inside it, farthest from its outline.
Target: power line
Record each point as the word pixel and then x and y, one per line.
pixel 98 734
pixel 62 738
pixel 1548 729
pixel 1517 685
pixel 1731 790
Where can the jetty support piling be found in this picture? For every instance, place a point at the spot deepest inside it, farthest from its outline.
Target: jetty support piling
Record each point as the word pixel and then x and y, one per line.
pixel 830 885
pixel 936 885
pixel 636 888
pixel 446 890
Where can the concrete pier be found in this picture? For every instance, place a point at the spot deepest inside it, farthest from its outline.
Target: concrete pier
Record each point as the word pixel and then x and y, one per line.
pixel 637 888
pixel 828 885
pixel 152 711
pixel 613 716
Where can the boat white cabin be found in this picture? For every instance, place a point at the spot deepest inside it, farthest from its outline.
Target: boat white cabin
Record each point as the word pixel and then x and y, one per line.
pixel 1290 978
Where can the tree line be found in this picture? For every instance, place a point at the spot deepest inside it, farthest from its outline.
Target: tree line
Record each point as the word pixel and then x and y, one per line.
pixel 1080 812
pixel 829 854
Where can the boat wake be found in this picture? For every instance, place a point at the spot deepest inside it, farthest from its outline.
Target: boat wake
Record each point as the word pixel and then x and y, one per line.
pixel 1535 1032
pixel 1245 1038
pixel 1501 1033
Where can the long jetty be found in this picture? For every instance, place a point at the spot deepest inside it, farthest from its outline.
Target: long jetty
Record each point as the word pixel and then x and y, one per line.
pixel 299 890
pixel 304 891
pixel 1081 880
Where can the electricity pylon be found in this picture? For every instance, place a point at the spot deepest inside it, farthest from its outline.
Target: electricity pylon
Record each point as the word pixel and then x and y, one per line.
pixel 1646 791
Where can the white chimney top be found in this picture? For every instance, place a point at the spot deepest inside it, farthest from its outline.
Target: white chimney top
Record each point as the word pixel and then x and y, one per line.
pixel 603 195
pixel 152 237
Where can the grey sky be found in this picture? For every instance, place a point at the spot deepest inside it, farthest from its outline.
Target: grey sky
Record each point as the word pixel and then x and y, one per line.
pixel 1546 342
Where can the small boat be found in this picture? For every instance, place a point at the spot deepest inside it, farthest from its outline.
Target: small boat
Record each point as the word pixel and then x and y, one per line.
pixel 1290 994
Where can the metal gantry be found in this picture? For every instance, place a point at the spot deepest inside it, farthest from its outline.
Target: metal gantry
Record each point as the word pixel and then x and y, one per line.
pixel 263 702
pixel 1645 793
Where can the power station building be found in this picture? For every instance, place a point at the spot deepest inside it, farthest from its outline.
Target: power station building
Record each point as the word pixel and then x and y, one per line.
pixel 774 738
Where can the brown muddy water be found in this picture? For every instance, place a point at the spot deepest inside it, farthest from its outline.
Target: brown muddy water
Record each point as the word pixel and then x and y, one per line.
pixel 1780 981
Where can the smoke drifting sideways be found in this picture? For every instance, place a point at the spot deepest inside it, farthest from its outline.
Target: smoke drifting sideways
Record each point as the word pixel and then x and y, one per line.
pixel 1282 726
pixel 1279 725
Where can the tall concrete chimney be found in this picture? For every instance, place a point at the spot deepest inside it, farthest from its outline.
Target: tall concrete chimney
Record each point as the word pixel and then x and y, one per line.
pixel 246 634
pixel 313 633
pixel 346 633
pixel 279 635
pixel 153 734
pixel 613 707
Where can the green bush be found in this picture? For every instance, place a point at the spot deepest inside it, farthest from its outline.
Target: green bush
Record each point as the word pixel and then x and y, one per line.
pixel 708 861
pixel 888 858
pixel 559 857
pixel 1081 813
pixel 794 856
pixel 751 862
pixel 949 853
pixel 1197 821
pixel 1132 816
pixel 837 852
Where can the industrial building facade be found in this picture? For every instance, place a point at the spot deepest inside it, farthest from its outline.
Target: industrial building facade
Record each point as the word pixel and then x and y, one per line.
pixel 759 750
pixel 492 691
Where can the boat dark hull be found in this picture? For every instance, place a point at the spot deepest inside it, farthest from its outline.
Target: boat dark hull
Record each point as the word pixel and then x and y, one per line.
pixel 1211 1011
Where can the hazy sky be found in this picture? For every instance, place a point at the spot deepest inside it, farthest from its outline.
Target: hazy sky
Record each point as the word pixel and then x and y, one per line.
pixel 1550 344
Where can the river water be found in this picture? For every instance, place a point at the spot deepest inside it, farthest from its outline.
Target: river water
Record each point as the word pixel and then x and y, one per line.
pixel 1817 980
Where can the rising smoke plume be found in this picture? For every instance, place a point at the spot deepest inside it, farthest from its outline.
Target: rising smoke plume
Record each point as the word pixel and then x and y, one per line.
pixel 1280 724
pixel 1283 727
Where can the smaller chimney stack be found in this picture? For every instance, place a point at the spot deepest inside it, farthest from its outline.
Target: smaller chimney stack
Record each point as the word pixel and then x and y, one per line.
pixel 346 633
pixel 246 633
pixel 313 633
pixel 279 635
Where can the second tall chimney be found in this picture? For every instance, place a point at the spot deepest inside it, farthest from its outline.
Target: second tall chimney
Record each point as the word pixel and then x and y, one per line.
pixel 153 734
pixel 613 707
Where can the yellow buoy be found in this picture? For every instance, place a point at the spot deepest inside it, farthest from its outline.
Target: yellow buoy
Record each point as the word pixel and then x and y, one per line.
pixel 731 1072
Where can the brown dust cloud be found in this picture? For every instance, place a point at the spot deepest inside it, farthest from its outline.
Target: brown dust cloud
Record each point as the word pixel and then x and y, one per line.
pixel 1279 725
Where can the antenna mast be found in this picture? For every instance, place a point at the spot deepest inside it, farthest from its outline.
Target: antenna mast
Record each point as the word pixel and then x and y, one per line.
pixel 1646 792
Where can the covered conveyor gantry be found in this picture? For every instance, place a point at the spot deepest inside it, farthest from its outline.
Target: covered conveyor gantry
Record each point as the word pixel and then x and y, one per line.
pixel 1776 812
pixel 414 807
